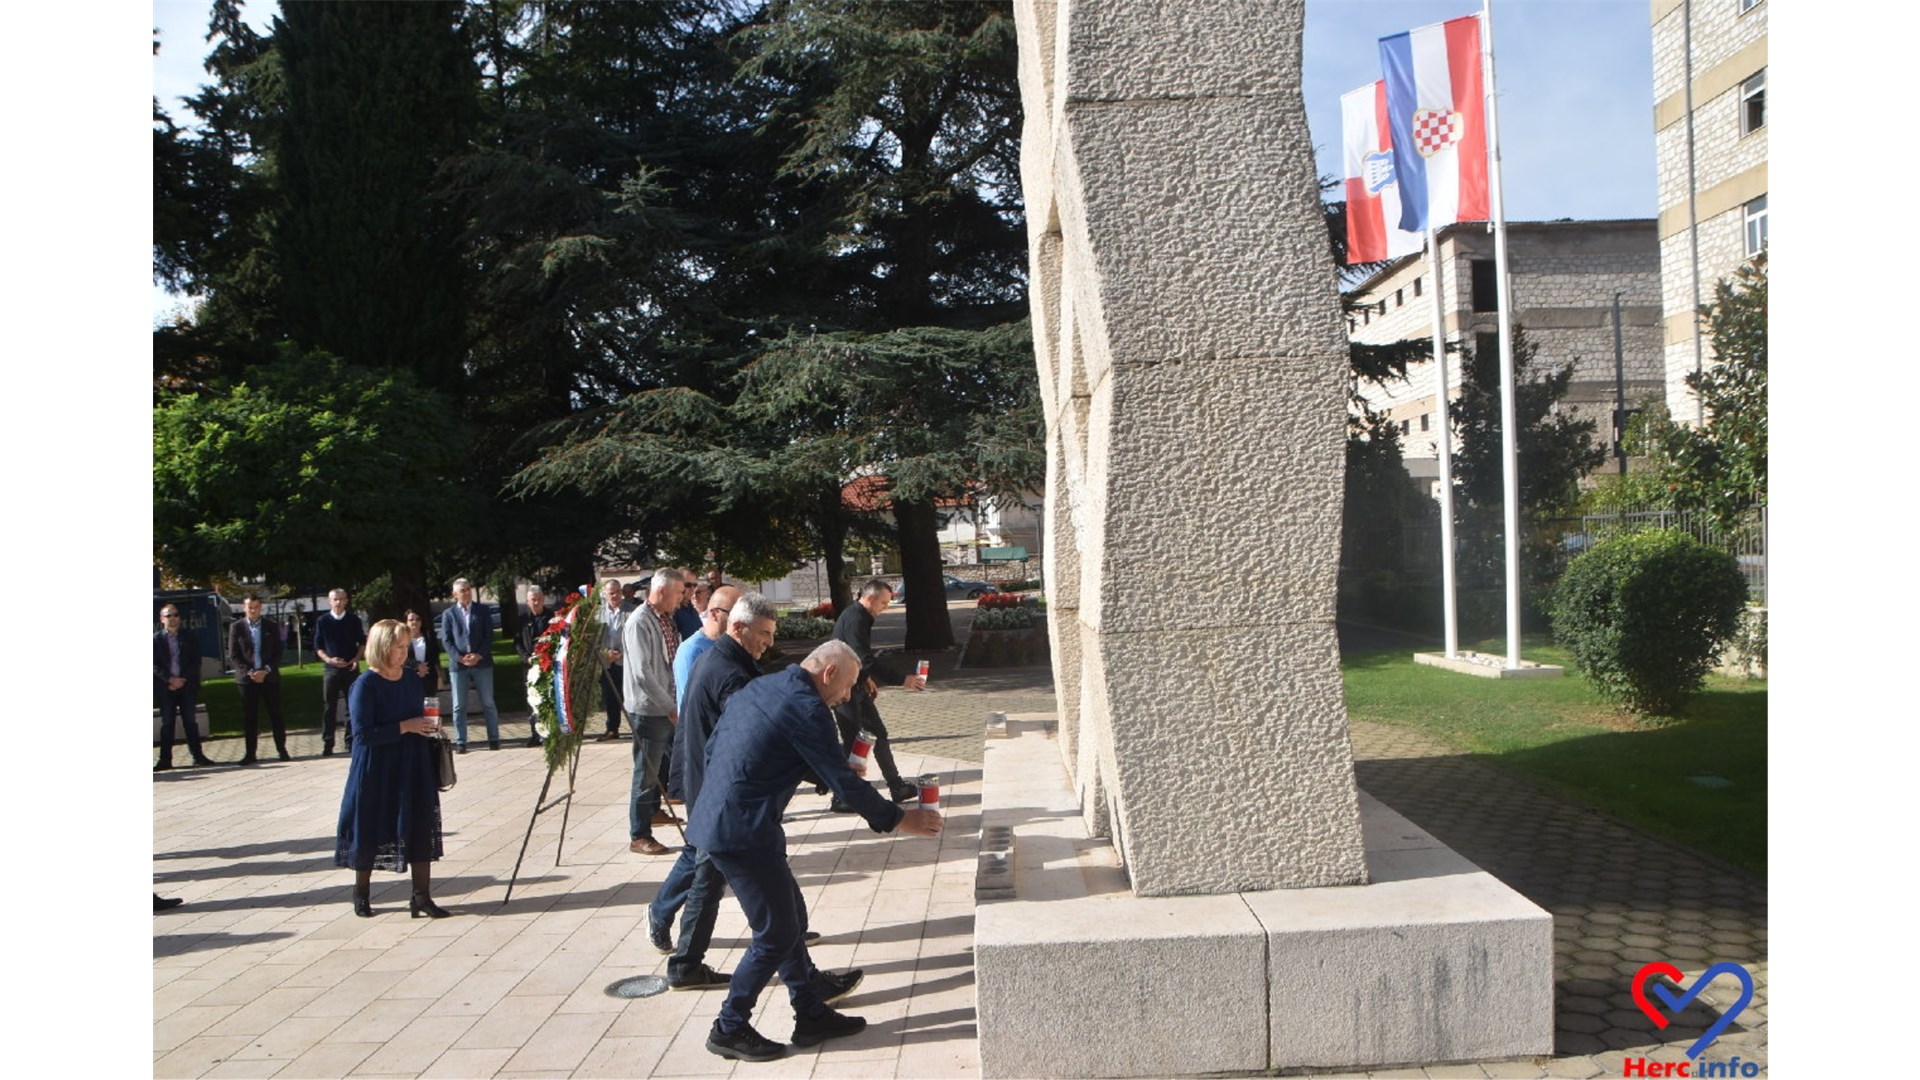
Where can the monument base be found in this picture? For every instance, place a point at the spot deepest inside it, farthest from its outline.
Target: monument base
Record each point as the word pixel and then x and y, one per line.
pixel 1434 961
pixel 1488 665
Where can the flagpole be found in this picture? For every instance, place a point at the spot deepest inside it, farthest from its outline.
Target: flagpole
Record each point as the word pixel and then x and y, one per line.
pixel 1442 386
pixel 1508 444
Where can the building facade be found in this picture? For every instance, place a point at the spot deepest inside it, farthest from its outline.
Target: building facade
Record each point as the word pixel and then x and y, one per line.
pixel 1710 145
pixel 1564 274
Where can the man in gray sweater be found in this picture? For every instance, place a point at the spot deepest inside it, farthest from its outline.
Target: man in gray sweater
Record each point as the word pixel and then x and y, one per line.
pixel 647 643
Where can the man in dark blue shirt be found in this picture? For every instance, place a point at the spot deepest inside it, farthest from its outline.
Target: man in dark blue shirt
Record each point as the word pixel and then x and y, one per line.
pixel 774 731
pixel 338 640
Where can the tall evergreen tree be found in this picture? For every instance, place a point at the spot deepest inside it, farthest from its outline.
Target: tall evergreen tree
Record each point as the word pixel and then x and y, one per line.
pixel 377 97
pixel 908 115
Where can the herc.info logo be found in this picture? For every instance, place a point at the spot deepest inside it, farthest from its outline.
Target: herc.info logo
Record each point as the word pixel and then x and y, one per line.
pixel 1676 1000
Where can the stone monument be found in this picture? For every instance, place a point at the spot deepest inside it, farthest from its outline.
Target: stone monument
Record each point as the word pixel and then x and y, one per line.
pixel 1175 869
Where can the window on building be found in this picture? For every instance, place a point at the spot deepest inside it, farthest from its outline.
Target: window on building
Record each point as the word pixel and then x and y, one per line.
pixel 1754 215
pixel 1424 421
pixel 1486 287
pixel 1400 297
pixel 1416 286
pixel 1403 427
pixel 1383 305
pixel 1753 103
pixel 1486 344
pixel 1747 5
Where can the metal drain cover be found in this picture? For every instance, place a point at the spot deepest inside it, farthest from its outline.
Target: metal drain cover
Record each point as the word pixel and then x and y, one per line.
pixel 638 986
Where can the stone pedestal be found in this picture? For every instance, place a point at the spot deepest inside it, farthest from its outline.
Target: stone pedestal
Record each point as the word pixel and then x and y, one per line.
pixel 1434 961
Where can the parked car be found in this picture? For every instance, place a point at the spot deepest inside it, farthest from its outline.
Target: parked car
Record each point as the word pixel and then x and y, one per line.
pixel 956 589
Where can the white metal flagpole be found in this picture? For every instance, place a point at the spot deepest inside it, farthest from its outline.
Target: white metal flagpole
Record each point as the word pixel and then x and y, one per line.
pixel 1448 595
pixel 1508 450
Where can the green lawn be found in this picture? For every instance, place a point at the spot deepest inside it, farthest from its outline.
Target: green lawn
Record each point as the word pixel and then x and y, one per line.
pixel 1563 736
pixel 300 692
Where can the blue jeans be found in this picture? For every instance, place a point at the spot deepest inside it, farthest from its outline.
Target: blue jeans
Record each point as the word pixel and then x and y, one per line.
pixel 695 883
pixel 476 680
pixel 650 734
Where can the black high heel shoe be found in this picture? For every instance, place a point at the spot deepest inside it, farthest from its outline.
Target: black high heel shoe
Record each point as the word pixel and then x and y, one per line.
pixel 362 904
pixel 422 904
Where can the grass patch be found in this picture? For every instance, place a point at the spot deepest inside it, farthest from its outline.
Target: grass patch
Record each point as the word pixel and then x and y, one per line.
pixel 301 695
pixel 1565 737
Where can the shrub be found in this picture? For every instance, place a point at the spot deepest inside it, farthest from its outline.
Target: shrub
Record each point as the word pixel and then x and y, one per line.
pixel 801 627
pixel 999 600
pixel 821 610
pixel 1013 618
pixel 1645 615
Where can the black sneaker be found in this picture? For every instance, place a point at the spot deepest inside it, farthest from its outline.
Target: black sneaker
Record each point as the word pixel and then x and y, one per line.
pixel 743 1045
pixel 701 978
pixel 905 793
pixel 839 807
pixel 808 1030
pixel 831 987
pixel 657 933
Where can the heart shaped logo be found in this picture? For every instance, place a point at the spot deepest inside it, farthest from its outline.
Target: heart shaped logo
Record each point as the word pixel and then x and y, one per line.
pixel 1676 1002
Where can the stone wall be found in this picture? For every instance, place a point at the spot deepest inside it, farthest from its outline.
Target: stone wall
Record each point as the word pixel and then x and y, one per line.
pixel 1179 271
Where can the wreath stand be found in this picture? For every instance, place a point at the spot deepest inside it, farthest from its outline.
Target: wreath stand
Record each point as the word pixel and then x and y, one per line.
pixel 541 806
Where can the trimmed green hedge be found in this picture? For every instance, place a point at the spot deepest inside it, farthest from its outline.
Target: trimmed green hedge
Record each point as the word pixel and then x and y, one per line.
pixel 1645 615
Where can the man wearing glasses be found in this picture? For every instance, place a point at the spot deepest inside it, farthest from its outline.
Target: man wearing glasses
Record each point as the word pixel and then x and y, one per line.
pixel 176 683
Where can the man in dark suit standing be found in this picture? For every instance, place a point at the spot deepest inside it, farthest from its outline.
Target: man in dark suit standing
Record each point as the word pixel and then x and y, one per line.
pixel 176 685
pixel 254 644
pixel 466 629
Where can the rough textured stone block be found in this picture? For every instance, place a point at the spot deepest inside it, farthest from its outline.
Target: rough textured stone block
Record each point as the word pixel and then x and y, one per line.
pixel 1227 48
pixel 1188 210
pixel 1263 734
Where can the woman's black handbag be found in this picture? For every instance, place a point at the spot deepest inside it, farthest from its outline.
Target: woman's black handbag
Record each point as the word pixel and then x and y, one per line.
pixel 443 762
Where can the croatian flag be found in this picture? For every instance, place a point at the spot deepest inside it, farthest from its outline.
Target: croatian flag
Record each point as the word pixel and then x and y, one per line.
pixel 1373 199
pixel 1437 120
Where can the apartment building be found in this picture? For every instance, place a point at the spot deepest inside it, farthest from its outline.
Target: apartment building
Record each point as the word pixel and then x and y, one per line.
pixel 1565 275
pixel 1710 143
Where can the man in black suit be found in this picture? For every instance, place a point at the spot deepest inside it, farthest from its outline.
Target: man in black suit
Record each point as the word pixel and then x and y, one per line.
pixel 176 685
pixel 254 643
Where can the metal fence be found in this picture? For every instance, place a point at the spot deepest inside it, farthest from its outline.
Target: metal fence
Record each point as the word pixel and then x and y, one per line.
pixel 1746 540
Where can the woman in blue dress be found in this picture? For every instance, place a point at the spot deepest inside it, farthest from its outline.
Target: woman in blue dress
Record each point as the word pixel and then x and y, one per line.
pixel 390 811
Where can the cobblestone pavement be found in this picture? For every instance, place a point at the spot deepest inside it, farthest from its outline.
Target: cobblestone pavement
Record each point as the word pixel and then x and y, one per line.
pixel 1620 898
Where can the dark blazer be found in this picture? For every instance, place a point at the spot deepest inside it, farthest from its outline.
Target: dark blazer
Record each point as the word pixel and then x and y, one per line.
pixel 717 674
pixel 189 660
pixel 477 638
pixel 240 647
pixel 436 676
pixel 530 630
pixel 774 731
pixel 855 627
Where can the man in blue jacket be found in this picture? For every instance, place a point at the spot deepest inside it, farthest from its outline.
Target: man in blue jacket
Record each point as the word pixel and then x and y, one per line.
pixel 466 630
pixel 774 731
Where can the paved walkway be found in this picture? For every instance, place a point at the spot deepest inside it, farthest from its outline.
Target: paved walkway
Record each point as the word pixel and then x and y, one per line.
pixel 265 971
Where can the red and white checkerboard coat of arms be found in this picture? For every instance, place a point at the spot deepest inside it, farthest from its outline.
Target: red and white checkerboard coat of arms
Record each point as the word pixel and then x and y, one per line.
pixel 1434 130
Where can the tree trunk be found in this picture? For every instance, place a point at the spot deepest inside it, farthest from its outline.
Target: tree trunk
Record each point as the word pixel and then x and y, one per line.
pixel 917 527
pixel 833 550
pixel 408 593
